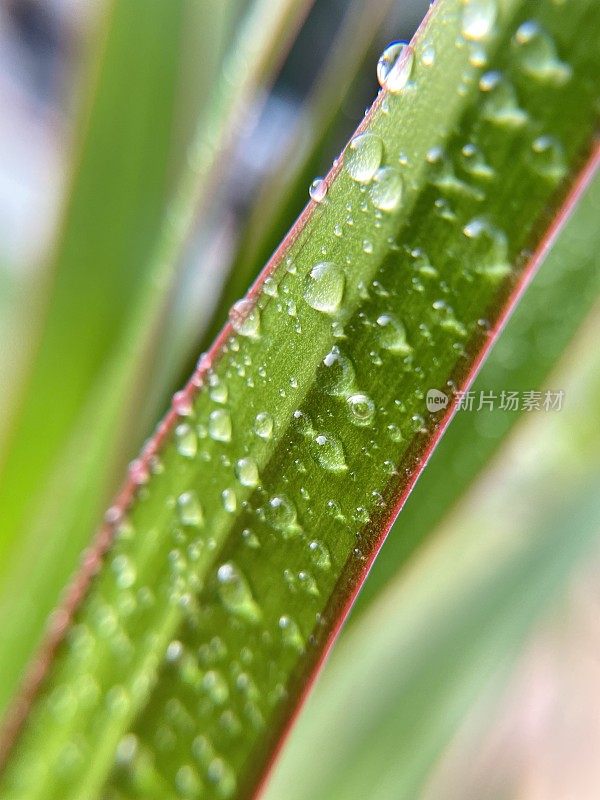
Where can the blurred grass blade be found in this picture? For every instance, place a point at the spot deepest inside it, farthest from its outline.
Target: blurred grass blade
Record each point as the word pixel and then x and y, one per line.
pixel 449 627
pixel 71 490
pixel 115 203
pixel 247 525
pixel 283 194
pixel 551 311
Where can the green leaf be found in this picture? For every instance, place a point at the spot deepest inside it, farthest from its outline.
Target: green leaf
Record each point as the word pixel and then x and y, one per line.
pixel 448 628
pixel 247 525
pixel 71 491
pixel 552 309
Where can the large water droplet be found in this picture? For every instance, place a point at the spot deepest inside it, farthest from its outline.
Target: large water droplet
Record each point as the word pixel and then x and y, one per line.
pixel 386 190
pixel 219 425
pixel 247 471
pixel 394 68
pixel 362 409
pixel 245 318
pixel 325 287
pixel 537 55
pixel 318 190
pixel 328 452
pixel 235 593
pixel 363 157
pixel 392 334
pixel 479 17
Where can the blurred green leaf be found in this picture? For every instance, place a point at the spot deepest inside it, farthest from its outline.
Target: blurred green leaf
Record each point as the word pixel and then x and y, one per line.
pixel 449 626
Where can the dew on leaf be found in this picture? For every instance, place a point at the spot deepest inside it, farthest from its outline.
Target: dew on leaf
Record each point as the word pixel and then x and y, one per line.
pixel 501 106
pixel 320 555
pixel 318 190
pixel 181 404
pixel 328 452
pixel 186 441
pixel 245 318
pixel 537 57
pixel 392 334
pixel 229 500
pixel 386 189
pixel 263 425
pixel 219 425
pixel 362 409
pixel 281 513
pixel 324 287
pixel 336 373
pixel 235 593
pixel 394 67
pixel 363 157
pixel 478 19
pixel 189 509
pixel 428 55
pixel 246 471
pixel 548 157
pixel 291 634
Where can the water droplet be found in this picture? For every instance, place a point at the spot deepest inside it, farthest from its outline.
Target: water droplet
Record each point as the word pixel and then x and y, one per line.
pixel 479 17
pixel 263 425
pixel 186 441
pixel 325 287
pixel 124 570
pixel 363 157
pixel 318 190
pixel 222 776
pixel 219 425
pixel 473 162
pixel 190 510
pixel 291 634
pixel 548 157
pixel 229 500
pixel 213 682
pixel 245 318
pixel 392 335
pixel 537 55
pixel 491 248
pixel 362 409
pixel 182 404
pixel 247 471
pixel 235 593
pixel 428 55
pixel 320 555
pixel 281 514
pixel 394 68
pixel 328 452
pixel 187 782
pixel 386 190
pixel 501 106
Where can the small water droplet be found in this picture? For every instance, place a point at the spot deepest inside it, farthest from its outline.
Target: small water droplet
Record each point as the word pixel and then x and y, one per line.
pixel 320 555
pixel 245 318
pixel 392 335
pixel 318 190
pixel 291 634
pixel 190 510
pixel 363 157
pixel 362 409
pixel 263 425
pixel 246 471
pixel 281 514
pixel 473 162
pixel 328 452
pixel 186 441
pixel 182 404
pixel 479 17
pixel 229 500
pixel 325 287
pixel 548 157
pixel 235 593
pixel 124 570
pixel 386 190
pixel 219 425
pixel 537 55
pixel 394 68
pixel 428 55
pixel 501 106
pixel 491 248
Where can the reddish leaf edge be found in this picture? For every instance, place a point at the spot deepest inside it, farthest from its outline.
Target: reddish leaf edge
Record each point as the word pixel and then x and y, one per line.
pixel 342 599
